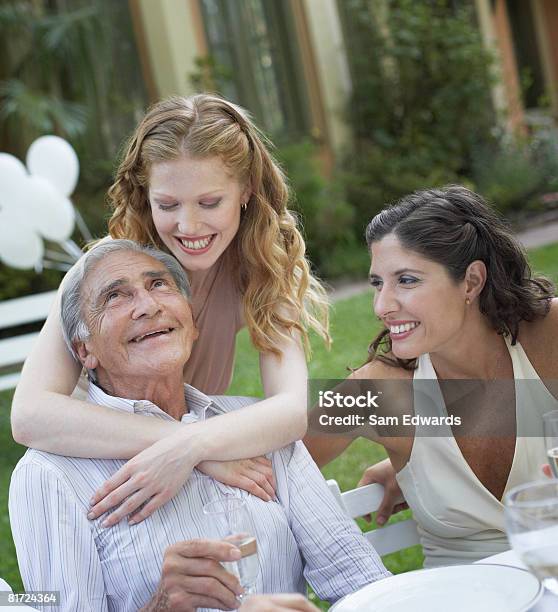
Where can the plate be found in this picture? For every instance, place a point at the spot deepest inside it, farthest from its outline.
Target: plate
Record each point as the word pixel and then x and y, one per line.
pixel 459 588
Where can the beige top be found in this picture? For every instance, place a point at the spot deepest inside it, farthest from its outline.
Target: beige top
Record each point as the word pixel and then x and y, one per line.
pixel 217 309
pixel 460 521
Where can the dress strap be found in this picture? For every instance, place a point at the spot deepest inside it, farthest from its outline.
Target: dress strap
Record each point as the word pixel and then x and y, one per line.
pixel 522 367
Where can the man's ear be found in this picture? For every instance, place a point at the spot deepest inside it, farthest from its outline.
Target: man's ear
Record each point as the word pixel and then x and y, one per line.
pixel 88 360
pixel 475 279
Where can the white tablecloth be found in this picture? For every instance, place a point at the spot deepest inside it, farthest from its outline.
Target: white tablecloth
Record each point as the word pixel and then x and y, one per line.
pixel 548 602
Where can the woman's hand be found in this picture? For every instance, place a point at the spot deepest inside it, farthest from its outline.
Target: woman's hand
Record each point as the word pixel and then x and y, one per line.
pixel 393 500
pixel 153 476
pixel 252 475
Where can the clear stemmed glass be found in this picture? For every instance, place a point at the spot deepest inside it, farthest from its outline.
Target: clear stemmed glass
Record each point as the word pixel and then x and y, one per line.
pixel 531 512
pixel 230 520
pixel 550 424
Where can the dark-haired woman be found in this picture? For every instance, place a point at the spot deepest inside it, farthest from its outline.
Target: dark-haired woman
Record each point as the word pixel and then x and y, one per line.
pixel 458 301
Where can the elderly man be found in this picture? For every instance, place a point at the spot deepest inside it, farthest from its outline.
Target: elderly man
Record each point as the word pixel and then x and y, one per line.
pixel 126 316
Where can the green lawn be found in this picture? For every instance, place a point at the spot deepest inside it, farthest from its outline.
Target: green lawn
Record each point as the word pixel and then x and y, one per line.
pixel 353 326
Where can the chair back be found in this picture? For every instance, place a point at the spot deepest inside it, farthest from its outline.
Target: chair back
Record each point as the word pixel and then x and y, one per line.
pixel 5 587
pixel 14 350
pixel 363 500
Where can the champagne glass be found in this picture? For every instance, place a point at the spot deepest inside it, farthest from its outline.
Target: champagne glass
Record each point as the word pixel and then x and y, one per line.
pixel 550 424
pixel 531 512
pixel 231 521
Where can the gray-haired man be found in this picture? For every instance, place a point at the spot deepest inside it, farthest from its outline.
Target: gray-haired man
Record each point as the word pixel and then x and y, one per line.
pixel 126 317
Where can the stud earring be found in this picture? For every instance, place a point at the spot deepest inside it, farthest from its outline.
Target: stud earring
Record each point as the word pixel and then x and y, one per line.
pixel 467 301
pixel 244 206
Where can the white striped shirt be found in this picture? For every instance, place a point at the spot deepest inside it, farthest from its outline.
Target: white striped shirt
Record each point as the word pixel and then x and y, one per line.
pixel 303 534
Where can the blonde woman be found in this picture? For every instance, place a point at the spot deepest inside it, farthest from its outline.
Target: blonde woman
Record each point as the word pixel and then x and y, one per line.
pixel 198 181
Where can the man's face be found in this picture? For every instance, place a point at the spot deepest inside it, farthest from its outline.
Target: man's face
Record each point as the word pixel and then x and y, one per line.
pixel 139 322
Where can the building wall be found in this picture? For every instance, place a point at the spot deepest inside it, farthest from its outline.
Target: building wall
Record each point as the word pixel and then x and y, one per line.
pixel 173 39
pixel 546 18
pixel 332 70
pixel 497 36
pixel 171 36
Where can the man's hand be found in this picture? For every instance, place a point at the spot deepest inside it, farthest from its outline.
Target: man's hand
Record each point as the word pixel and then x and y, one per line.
pixel 192 577
pixel 252 475
pixel 393 500
pixel 277 603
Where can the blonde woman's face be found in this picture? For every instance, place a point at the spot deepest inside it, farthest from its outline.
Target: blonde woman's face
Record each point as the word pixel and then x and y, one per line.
pixel 195 204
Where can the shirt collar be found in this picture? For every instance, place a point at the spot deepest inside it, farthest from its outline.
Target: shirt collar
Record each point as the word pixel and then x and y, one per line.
pixel 198 404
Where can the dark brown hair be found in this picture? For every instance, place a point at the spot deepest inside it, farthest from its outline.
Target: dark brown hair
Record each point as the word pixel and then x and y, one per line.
pixel 454 226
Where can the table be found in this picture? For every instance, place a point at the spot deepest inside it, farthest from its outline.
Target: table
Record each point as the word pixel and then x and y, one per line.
pixel 404 598
pixel 548 602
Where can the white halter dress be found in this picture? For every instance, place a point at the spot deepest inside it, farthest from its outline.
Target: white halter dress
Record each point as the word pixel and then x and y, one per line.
pixel 460 521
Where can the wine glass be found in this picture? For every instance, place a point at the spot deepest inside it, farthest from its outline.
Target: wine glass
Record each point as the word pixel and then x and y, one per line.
pixel 230 520
pixel 550 424
pixel 531 512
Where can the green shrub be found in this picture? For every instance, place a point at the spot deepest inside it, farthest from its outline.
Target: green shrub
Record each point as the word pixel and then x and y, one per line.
pixel 509 177
pixel 515 174
pixel 15 283
pixel 421 98
pixel 326 216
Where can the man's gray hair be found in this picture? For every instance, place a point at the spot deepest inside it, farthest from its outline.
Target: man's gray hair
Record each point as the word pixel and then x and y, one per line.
pixel 74 328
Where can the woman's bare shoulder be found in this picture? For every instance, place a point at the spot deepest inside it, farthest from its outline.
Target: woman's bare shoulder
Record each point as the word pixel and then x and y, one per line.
pixel 540 341
pixel 380 370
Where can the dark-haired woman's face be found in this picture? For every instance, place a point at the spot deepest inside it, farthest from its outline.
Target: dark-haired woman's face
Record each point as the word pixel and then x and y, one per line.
pixel 416 299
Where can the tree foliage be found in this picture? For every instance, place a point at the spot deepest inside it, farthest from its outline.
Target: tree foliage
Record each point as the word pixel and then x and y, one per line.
pixel 421 97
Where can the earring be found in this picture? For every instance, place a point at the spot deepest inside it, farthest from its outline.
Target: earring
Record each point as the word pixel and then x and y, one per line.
pixel 467 301
pixel 244 206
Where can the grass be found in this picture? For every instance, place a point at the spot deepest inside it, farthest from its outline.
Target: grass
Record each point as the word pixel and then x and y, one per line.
pixel 11 452
pixel 352 326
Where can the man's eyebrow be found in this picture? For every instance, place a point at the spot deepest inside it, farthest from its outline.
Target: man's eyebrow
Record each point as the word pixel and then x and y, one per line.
pixel 110 287
pixel 157 274
pixel 115 284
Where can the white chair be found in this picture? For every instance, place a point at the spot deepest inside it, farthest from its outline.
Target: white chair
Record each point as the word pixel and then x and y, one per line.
pixel 14 350
pixel 361 501
pixel 5 587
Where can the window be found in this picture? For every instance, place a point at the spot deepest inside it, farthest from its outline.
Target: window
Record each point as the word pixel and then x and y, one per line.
pixel 256 54
pixel 527 52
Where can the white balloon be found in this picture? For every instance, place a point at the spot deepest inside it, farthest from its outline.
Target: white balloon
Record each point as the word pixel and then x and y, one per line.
pixel 51 214
pixel 54 159
pixel 20 246
pixel 12 174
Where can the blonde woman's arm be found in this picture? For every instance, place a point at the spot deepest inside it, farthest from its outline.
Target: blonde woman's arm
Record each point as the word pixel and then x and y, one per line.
pixel 253 430
pixel 280 418
pixel 164 453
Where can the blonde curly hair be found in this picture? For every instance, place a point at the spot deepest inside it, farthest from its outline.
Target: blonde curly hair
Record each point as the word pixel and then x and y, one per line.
pixel 280 294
